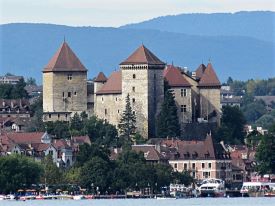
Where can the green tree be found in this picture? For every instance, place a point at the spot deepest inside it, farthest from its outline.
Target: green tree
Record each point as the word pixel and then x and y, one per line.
pixel 17 172
pixel 265 154
pixel 31 81
pixel 52 174
pixel 96 172
pixel 59 129
pixel 127 124
pixel 36 124
pixel 168 121
pixel 254 110
pixel 182 178
pixel 232 126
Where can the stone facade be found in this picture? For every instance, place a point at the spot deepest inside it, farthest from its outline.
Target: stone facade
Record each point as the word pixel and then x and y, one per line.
pixel 67 91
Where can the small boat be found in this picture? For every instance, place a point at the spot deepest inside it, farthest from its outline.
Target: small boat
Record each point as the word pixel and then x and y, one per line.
pixel 166 198
pixel 78 197
pixel 212 188
pixel 258 189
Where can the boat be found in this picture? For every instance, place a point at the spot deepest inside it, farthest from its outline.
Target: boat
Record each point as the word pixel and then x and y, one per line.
pixel 258 189
pixel 212 188
pixel 78 197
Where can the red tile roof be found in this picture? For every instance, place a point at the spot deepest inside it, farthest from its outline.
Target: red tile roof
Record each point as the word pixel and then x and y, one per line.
pixel 142 56
pixel 101 77
pixel 150 152
pixel 209 77
pixel 64 60
pixel 200 70
pixel 113 84
pixel 174 77
pixel 31 137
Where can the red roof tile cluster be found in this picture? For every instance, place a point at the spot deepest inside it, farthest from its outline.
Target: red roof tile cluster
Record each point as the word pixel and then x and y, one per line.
pixel 65 60
pixel 113 84
pixel 101 77
pixel 31 137
pixel 200 70
pixel 174 77
pixel 142 56
pixel 209 77
pixel 150 152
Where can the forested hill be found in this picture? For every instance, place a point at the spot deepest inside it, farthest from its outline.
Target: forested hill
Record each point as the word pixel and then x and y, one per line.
pixel 26 48
pixel 256 24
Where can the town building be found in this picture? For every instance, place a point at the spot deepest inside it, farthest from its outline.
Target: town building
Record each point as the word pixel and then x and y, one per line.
pixel 141 75
pixel 10 79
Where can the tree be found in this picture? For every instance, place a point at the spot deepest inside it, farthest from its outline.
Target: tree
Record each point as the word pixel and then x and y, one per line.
pixel 168 121
pixel 59 129
pixel 36 124
pixel 96 172
pixel 76 125
pixel 17 172
pixel 232 126
pixel 127 124
pixel 265 155
pixel 183 177
pixel 229 81
pixel 254 110
pixel 31 81
pixel 52 174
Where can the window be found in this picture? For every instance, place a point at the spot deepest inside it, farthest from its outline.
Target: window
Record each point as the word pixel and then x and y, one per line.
pixel 116 98
pixel 184 93
pixel 185 166
pixel 69 94
pixel 209 165
pixel 51 152
pixel 206 174
pixel 134 112
pixel 175 165
pixel 102 99
pixel 202 165
pixel 50 116
pixel 134 100
pixel 58 116
pixel 118 111
pixel 134 76
pixel 63 94
pixel 74 93
pixel 181 108
pixel 105 111
pixel 70 76
pixel 184 108
pixel 133 89
pixel 193 165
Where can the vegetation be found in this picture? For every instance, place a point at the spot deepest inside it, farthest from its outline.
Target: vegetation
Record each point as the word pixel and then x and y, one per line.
pixel 231 130
pixel 127 124
pixel 17 172
pixel 9 91
pixel 265 154
pixel 167 120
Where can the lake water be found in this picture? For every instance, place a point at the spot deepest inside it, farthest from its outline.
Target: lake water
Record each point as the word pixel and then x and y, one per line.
pixel 147 202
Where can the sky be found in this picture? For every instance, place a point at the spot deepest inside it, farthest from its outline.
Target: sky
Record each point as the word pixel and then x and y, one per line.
pixel 115 13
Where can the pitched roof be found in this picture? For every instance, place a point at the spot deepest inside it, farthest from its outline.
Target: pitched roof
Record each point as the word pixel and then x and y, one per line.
pixel 101 77
pixel 64 60
pixel 113 84
pixel 150 152
pixel 200 70
pixel 30 137
pixel 174 77
pixel 142 56
pixel 209 77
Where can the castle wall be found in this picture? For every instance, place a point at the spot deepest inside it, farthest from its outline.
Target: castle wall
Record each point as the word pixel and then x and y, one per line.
pixel 135 83
pixel 109 107
pixel 48 91
pixel 155 97
pixel 183 99
pixel 209 101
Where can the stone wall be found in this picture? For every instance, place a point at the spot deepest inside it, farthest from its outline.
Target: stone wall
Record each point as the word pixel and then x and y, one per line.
pixel 109 107
pixel 209 102
pixel 135 83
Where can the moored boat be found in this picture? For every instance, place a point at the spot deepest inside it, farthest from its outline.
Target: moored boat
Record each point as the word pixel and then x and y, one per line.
pixel 212 188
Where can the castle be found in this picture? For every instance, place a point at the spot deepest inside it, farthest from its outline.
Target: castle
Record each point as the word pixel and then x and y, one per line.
pixel 66 90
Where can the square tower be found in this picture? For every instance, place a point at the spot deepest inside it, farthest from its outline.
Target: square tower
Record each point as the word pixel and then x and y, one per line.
pixel 142 79
pixel 64 86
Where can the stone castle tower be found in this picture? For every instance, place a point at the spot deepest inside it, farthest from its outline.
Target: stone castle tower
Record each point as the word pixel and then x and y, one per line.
pixel 142 79
pixel 209 93
pixel 64 86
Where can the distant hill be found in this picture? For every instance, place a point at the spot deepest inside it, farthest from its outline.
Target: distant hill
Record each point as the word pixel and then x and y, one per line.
pixel 256 24
pixel 26 48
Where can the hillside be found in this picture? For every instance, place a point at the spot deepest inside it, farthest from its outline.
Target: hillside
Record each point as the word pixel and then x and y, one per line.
pixel 27 48
pixel 256 24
